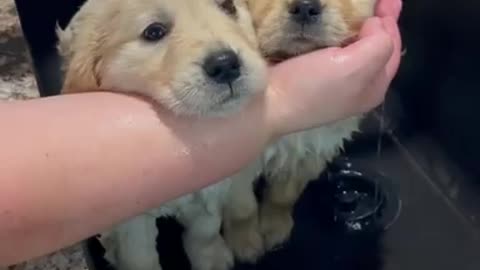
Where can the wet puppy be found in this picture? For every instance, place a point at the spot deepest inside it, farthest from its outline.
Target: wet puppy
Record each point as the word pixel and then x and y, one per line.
pixel 193 57
pixel 286 28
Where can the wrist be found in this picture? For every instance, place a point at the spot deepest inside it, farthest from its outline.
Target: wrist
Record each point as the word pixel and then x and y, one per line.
pixel 277 113
pixel 261 112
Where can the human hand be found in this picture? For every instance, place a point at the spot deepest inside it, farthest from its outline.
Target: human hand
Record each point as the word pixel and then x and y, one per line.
pixel 335 83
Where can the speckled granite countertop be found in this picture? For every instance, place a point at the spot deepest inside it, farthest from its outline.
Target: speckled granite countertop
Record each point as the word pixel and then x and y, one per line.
pixel 16 78
pixel 17 82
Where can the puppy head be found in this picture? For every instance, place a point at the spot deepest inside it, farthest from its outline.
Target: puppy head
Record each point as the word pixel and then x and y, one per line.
pixel 195 57
pixel 286 28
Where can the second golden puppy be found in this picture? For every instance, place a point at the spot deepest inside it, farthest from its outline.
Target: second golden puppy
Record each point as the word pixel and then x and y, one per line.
pixel 286 28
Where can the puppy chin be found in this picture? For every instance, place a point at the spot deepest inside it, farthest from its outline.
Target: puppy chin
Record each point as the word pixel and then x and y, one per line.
pixel 281 53
pixel 210 100
pixel 228 108
pixel 294 45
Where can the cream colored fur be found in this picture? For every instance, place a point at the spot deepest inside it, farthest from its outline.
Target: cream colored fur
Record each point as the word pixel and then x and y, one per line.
pixel 103 50
pixel 290 163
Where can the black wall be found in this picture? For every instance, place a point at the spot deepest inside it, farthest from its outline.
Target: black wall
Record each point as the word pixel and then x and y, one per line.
pixel 439 79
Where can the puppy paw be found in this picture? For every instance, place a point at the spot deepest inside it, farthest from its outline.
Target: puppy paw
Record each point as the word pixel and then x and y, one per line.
pixel 212 256
pixel 245 241
pixel 276 225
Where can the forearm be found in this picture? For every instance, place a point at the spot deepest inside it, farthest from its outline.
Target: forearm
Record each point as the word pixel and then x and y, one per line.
pixel 72 166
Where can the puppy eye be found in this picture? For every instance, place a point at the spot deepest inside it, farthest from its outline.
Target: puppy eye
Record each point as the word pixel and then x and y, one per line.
pixel 229 7
pixel 155 32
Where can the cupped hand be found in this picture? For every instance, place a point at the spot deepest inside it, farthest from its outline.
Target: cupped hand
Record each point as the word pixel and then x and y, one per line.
pixel 335 83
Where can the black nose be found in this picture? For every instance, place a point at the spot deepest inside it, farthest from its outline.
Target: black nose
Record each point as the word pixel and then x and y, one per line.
pixel 222 66
pixel 305 11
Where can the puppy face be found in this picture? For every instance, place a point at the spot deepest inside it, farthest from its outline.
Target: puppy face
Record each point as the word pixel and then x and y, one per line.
pixel 286 28
pixel 195 57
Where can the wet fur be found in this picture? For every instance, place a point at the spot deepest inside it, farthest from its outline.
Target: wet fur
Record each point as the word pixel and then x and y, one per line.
pixel 102 50
pixel 293 161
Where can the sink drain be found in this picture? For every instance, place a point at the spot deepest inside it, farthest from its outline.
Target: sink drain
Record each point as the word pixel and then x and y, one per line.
pixel 362 200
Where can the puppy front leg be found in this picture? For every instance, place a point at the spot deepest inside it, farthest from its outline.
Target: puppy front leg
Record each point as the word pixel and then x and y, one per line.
pixel 132 245
pixel 202 241
pixel 283 189
pixel 240 225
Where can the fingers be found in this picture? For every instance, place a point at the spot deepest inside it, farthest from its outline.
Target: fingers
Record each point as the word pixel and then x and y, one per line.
pixel 375 93
pixel 370 53
pixel 391 8
pixel 390 26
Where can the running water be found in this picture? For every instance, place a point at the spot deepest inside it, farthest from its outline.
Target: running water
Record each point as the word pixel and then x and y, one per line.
pixel 381 131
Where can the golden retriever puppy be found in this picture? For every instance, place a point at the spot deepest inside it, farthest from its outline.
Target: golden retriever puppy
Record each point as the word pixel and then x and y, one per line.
pixel 193 57
pixel 286 28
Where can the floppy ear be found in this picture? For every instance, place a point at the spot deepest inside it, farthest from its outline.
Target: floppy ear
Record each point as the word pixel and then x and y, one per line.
pixel 82 72
pixel 80 49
